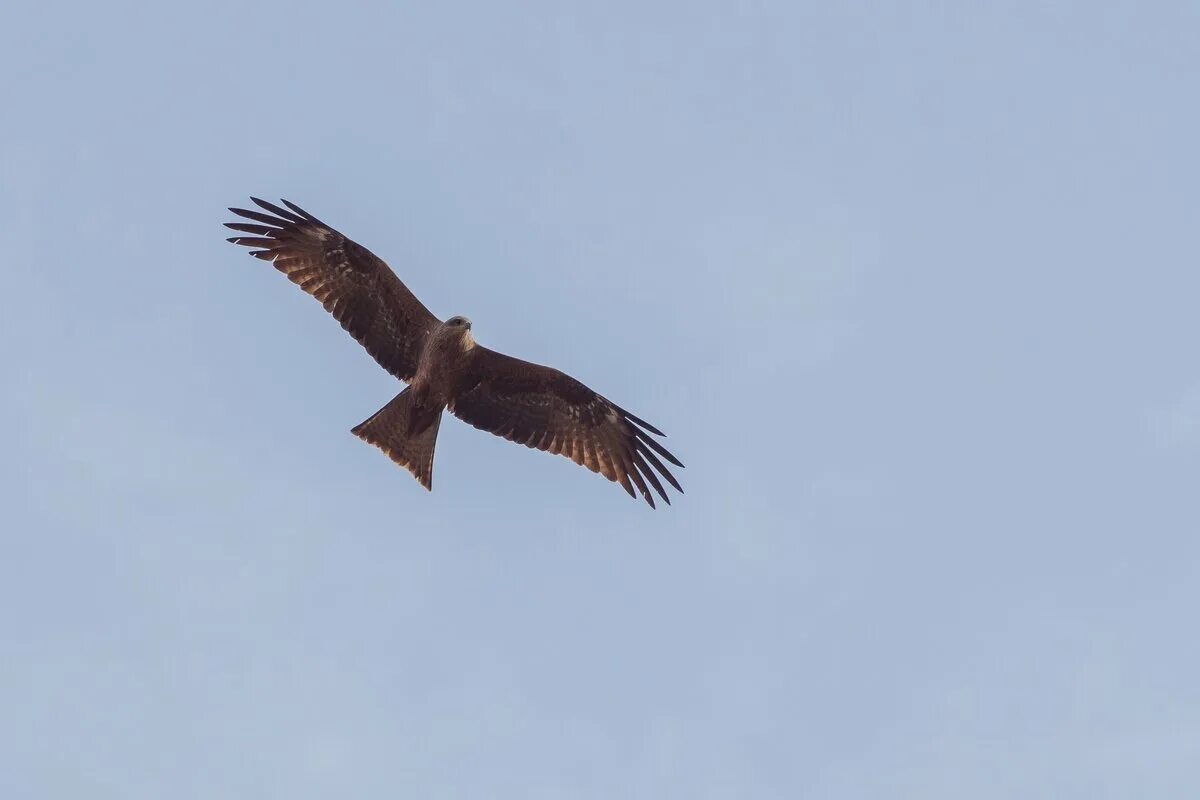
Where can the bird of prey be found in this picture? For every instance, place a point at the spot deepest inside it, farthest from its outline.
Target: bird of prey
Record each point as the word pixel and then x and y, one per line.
pixel 444 368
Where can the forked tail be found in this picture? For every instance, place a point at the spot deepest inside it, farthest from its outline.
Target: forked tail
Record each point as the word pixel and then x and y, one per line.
pixel 406 432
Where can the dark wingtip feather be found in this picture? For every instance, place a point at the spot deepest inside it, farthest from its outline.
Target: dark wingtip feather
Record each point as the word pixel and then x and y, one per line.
pixel 666 473
pixel 643 423
pixel 259 230
pixel 300 211
pixel 274 209
pixel 641 465
pixel 244 241
pixel 658 448
pixel 631 470
pixel 257 241
pixel 648 495
pixel 258 216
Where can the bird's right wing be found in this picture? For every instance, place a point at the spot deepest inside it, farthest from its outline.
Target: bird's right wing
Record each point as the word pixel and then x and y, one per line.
pixel 543 408
pixel 353 284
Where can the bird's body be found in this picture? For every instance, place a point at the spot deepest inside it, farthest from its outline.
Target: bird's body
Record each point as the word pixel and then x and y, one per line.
pixel 445 358
pixel 445 368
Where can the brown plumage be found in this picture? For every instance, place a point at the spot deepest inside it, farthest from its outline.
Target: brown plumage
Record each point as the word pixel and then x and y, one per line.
pixel 526 403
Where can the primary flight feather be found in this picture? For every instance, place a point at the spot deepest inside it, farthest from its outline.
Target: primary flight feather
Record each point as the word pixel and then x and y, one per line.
pixel 526 403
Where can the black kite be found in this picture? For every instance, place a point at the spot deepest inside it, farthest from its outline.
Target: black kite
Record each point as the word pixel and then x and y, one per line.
pixel 527 403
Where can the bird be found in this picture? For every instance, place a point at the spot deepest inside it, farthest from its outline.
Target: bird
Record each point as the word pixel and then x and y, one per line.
pixel 445 369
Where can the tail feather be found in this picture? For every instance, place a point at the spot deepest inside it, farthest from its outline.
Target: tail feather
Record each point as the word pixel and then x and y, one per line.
pixel 406 433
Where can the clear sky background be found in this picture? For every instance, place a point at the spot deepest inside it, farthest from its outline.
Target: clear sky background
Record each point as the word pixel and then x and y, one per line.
pixel 911 287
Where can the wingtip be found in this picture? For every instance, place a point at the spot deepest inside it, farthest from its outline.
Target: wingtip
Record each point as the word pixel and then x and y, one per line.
pixel 639 421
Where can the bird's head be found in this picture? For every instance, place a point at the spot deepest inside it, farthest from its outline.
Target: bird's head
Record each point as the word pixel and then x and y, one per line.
pixel 458 328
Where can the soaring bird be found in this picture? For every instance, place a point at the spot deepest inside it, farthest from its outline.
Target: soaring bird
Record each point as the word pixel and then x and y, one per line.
pixel 443 366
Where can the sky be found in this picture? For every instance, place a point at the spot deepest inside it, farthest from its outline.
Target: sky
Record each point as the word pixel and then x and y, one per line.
pixel 910 287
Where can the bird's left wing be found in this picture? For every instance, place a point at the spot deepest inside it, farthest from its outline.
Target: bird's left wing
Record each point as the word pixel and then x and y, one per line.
pixel 545 409
pixel 353 284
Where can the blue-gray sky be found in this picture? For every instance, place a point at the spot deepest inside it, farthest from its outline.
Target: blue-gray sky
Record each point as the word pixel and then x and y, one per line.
pixel 911 287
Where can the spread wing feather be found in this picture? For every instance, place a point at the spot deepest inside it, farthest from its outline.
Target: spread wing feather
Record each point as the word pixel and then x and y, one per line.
pixel 545 409
pixel 350 281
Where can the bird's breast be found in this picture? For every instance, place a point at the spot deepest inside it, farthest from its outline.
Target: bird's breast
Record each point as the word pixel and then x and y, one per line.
pixel 440 366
